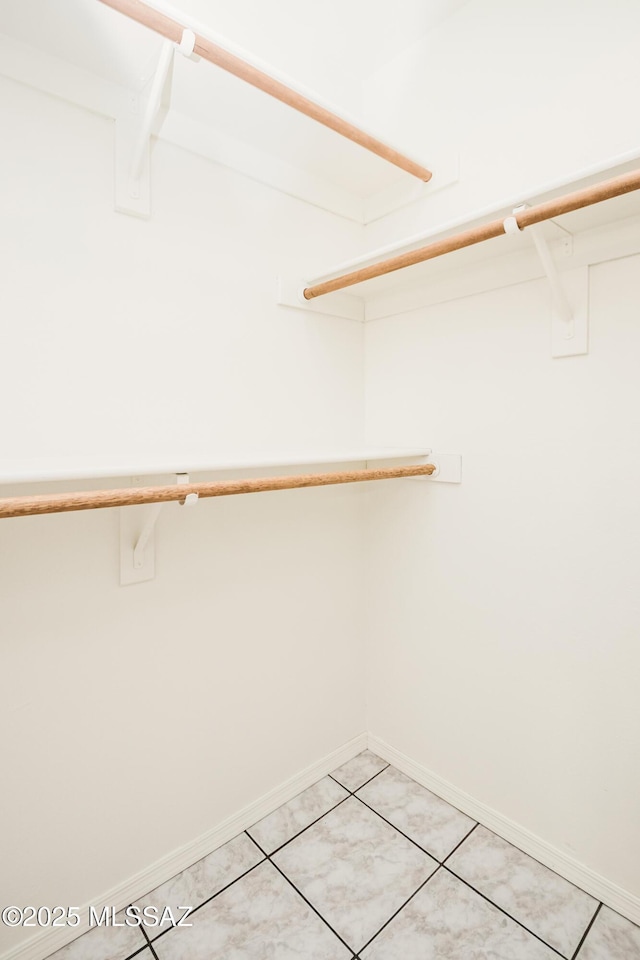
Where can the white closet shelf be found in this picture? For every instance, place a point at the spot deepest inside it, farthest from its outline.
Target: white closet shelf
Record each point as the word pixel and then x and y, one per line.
pixel 41 471
pixel 579 223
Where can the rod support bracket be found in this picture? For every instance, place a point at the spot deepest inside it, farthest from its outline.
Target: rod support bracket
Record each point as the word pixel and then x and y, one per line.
pixel 569 293
pixel 191 498
pixel 290 293
pixel 448 468
pixel 137 536
pixel 134 128
pixel 187 45
pixel 511 225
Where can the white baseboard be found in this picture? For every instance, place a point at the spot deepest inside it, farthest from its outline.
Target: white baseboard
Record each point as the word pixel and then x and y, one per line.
pixel 48 941
pixel 572 870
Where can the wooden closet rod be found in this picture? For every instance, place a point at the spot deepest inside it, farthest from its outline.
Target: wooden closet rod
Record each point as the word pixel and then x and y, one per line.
pixel 130 496
pixel 616 187
pixel 217 55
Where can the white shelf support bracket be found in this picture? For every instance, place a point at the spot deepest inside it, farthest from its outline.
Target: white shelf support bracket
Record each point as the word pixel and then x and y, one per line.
pixel 191 498
pixel 290 293
pixel 137 542
pixel 137 537
pixel 145 534
pixel 135 127
pixel 569 296
pixel 448 468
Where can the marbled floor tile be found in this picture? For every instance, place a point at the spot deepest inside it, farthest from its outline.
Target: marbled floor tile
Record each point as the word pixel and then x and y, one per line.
pixel 354 773
pixel 261 917
pixel 292 817
pixel 355 869
pixel 448 921
pixel 611 938
pixel 104 943
pixel 204 879
pixel 430 821
pixel 548 905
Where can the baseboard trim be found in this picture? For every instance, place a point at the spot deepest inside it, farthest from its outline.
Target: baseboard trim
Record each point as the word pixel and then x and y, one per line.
pixel 566 866
pixel 46 942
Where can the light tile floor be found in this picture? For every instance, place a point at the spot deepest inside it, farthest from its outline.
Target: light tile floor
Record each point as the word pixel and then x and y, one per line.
pixel 368 865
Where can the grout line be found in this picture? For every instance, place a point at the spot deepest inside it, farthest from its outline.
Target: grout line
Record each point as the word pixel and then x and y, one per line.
pixel 299 834
pixel 410 839
pixel 138 953
pixel 266 856
pixel 353 792
pixel 252 841
pixel 443 862
pixel 309 904
pixel 144 931
pixel 393 915
pixel 370 779
pixel 350 793
pixel 584 935
pixel 153 953
pixel 466 837
pixel 502 910
pixel 212 897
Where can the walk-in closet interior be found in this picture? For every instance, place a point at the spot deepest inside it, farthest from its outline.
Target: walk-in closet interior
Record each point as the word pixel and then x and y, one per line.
pixel 319 462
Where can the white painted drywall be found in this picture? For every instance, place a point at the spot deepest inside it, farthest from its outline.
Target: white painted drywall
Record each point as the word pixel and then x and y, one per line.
pixel 527 93
pixel 503 613
pixel 500 613
pixel 135 719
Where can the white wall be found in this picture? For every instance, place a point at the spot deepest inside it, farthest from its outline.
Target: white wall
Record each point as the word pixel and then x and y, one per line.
pixel 503 613
pixel 166 331
pixel 137 718
pixel 499 613
pixel 527 93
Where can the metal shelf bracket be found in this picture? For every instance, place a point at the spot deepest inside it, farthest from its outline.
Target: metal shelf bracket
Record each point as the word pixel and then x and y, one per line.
pixel 134 127
pixel 569 295
pixel 448 468
pixel 137 537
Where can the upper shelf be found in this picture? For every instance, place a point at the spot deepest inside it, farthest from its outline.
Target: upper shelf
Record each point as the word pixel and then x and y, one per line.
pixel 49 471
pixel 96 57
pixel 578 224
pixel 174 27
